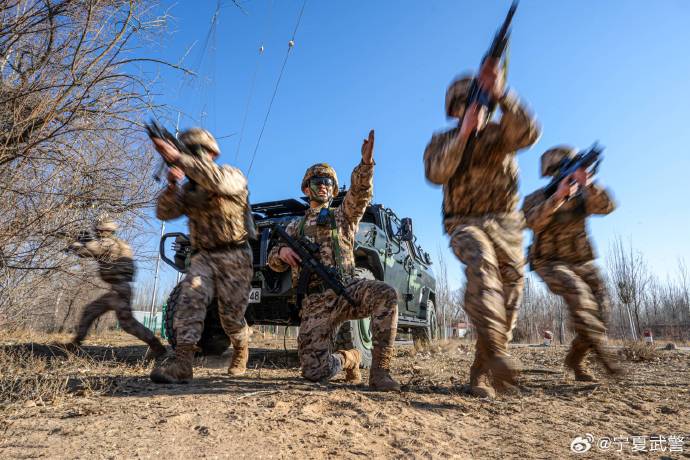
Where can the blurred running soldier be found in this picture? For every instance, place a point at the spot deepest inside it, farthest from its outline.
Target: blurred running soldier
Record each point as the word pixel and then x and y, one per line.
pixel 562 255
pixel 115 267
pixel 215 201
pixel 475 163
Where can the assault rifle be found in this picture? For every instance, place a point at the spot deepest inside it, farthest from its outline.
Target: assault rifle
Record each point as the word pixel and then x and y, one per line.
pixel 476 94
pixel 308 252
pixel 83 237
pixel 590 158
pixel 496 51
pixel 156 131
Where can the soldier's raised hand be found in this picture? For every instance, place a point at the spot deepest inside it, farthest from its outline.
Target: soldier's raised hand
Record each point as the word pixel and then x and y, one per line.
pixel 567 188
pixel 175 175
pixel 491 78
pixel 470 120
pixel 166 149
pixel 582 177
pixel 368 149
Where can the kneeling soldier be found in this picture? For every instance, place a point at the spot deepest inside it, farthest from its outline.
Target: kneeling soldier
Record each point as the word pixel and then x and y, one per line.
pixel 322 311
pixel 215 200
pixel 564 258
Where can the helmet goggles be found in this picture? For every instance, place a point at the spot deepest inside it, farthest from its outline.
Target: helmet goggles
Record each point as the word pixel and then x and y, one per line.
pixel 318 181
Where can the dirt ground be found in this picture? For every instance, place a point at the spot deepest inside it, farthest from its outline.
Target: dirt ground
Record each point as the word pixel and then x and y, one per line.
pixel 102 405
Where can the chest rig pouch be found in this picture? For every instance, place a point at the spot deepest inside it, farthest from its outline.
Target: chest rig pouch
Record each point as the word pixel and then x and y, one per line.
pixel 306 283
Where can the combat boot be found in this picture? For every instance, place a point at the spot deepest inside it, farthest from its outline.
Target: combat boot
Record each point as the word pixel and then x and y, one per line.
pixel 575 360
pixel 608 360
pixel 156 351
pixel 178 369
pixel 503 374
pixel 71 347
pixel 240 356
pixel 351 361
pixel 582 374
pixel 479 385
pixel 379 375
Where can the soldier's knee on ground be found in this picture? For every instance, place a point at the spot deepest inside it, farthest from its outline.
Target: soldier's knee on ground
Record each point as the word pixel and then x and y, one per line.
pixel 323 372
pixel 317 375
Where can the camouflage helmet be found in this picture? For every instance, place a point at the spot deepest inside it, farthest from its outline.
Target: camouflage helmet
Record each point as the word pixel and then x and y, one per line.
pixel 105 224
pixel 320 170
pixel 552 158
pixel 200 137
pixel 457 92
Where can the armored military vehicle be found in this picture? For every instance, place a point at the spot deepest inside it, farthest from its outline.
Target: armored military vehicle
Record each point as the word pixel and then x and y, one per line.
pixel 386 249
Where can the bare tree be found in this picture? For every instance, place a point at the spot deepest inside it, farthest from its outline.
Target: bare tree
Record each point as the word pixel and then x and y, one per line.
pixel 442 292
pixel 684 285
pixel 72 98
pixel 540 311
pixel 630 277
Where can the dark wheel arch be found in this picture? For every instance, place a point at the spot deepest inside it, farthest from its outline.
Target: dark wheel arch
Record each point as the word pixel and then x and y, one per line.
pixel 424 336
pixel 213 340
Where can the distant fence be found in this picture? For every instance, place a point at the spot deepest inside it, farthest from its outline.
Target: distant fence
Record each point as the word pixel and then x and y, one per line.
pixel 678 331
pixel 155 322
pixel 270 331
pixel 454 332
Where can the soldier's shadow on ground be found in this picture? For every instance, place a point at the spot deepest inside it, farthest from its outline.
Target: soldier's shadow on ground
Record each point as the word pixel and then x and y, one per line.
pixel 122 382
pixel 240 387
pixel 128 355
pixel 134 355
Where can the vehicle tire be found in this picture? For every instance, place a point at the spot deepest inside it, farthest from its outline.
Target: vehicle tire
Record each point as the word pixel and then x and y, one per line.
pixel 356 333
pixel 423 336
pixel 213 339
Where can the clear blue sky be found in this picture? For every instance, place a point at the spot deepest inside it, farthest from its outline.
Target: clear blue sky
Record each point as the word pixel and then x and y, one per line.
pixel 613 71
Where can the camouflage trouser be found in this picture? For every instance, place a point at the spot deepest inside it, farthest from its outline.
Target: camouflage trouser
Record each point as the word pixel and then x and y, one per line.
pixel 118 299
pixel 223 274
pixel 322 314
pixel 584 291
pixel 494 268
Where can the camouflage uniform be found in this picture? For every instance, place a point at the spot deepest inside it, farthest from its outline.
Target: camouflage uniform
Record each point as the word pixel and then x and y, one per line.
pixel 216 204
pixel 562 255
pixel 323 311
pixel 116 267
pixel 480 197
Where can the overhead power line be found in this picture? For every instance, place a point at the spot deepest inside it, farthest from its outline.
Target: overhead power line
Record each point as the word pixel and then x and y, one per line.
pixel 291 45
pixel 267 28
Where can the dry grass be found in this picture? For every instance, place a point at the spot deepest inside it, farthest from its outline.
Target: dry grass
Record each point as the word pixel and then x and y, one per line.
pixel 637 351
pixel 442 346
pixel 26 378
pixel 46 374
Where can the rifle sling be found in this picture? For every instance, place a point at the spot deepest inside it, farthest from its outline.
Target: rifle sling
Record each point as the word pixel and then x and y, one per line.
pixel 303 284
